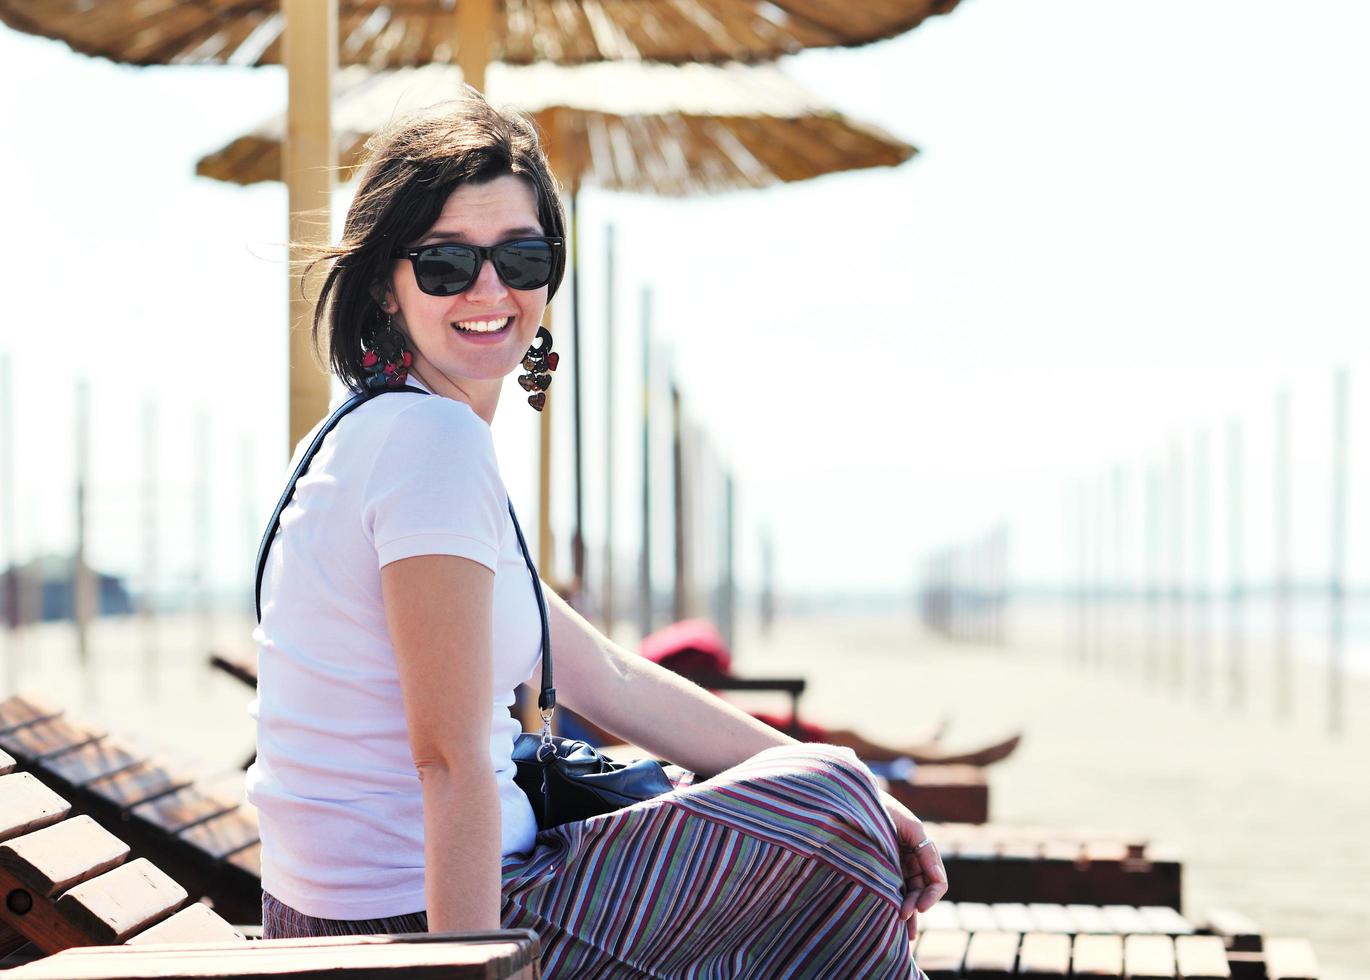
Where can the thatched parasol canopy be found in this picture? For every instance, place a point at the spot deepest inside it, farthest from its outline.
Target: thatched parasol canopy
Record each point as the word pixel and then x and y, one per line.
pixel 671 131
pixel 419 32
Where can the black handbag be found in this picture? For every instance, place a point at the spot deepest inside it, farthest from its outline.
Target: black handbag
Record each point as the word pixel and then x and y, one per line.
pixel 564 779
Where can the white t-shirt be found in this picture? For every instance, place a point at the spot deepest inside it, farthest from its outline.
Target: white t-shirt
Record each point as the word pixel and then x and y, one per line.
pixel 334 782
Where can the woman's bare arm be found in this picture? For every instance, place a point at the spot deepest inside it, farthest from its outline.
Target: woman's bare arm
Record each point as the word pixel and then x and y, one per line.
pixel 438 608
pixel 646 704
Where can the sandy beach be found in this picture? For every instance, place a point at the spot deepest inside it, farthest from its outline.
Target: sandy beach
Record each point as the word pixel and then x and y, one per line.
pixel 1269 818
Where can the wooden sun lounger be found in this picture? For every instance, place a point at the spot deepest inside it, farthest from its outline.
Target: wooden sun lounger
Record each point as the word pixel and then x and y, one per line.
pixel 934 792
pixel 205 839
pixel 1002 954
pixel 69 882
pixel 993 863
pixel 503 955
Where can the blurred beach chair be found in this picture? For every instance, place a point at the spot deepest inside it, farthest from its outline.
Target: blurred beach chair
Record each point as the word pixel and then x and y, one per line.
pixel 1001 863
pixel 201 834
pixel 992 953
pixel 69 882
pixel 935 792
pixel 498 955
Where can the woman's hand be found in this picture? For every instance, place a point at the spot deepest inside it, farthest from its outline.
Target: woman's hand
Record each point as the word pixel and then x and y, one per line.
pixel 925 879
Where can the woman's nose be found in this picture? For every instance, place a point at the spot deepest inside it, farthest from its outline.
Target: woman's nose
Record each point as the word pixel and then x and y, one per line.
pixel 488 287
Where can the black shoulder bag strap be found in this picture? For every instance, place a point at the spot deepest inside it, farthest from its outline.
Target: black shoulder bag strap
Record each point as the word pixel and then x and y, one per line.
pixel 547 697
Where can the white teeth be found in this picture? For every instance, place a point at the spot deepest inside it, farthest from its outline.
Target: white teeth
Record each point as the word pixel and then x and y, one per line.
pixel 482 326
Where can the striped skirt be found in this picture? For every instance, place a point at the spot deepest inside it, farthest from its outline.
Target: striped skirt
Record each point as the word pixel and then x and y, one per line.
pixel 784 866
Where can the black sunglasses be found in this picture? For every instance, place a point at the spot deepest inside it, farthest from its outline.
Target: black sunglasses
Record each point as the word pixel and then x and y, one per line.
pixel 450 268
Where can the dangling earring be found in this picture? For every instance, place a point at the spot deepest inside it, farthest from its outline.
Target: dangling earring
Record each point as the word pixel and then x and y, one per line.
pixel 384 357
pixel 539 362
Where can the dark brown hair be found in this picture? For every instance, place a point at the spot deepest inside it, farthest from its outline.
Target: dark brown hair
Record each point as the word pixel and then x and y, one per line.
pixel 408 172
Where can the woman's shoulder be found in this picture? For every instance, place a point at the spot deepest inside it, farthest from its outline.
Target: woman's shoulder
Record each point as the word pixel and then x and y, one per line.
pixel 430 422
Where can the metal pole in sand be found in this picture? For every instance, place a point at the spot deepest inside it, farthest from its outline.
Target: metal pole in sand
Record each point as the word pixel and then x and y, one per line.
pixel 645 568
pixel 577 416
pixel 1336 641
pixel 13 611
pixel 252 521
pixel 1283 593
pixel 82 592
pixel 151 516
pixel 728 606
pixel 1177 591
pixel 200 510
pixel 1121 604
pixel 1153 571
pixel 680 587
pixel 607 589
pixel 1082 571
pixel 1203 609
pixel 1236 518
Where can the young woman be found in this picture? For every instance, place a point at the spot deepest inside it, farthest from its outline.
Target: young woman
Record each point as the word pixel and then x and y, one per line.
pixel 398 617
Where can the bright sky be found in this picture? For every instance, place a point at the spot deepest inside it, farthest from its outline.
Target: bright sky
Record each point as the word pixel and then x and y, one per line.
pixel 1129 224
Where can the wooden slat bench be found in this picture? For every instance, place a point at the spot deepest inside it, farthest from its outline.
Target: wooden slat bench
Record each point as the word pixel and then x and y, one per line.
pixel 997 863
pixel 934 792
pixel 66 881
pixel 1000 954
pixel 1068 920
pixel 203 837
pixel 503 955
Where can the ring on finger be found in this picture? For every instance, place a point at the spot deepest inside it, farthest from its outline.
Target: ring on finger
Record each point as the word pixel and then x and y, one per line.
pixel 922 844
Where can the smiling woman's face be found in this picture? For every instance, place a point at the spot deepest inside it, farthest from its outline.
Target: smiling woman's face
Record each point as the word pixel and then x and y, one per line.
pixel 464 345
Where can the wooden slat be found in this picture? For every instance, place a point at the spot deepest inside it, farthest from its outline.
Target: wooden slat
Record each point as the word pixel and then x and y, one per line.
pixel 174 812
pixel 196 923
pixel 24 710
pixel 1201 958
pixel 503 955
pixel 43 739
pixel 991 955
pixel 1239 933
pixel 1149 957
pixel 53 859
pixel 941 916
pixel 1126 920
pixel 142 782
pixel 249 859
pixel 1049 917
pixel 1044 956
pixel 1088 918
pixel 224 834
pixel 111 908
pixel 26 804
pixel 1290 959
pixel 1097 956
pixel 92 761
pixel 975 917
pixel 1166 920
pixel 941 952
pixel 1012 917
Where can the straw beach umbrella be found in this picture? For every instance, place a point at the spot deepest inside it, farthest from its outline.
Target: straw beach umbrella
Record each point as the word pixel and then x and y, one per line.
pixel 651 129
pixel 517 32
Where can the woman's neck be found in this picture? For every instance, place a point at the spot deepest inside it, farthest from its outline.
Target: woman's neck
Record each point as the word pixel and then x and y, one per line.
pixel 482 396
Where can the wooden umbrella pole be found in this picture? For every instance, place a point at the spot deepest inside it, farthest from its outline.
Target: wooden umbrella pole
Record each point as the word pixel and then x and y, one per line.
pixel 311 54
pixel 475 27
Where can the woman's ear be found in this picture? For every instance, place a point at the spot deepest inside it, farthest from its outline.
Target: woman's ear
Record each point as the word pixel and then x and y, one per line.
pixel 384 297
